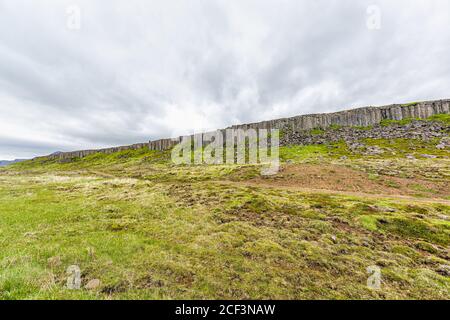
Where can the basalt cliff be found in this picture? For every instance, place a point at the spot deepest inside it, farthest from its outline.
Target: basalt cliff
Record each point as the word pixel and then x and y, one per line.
pixel 297 128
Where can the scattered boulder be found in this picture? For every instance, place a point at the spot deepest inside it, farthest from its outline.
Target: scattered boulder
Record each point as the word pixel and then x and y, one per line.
pixel 444 270
pixel 416 129
pixel 444 143
pixel 361 148
pixel 428 156
pixel 374 150
pixel 93 284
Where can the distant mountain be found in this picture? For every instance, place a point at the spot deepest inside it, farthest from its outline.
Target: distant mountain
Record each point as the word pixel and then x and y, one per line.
pixel 8 162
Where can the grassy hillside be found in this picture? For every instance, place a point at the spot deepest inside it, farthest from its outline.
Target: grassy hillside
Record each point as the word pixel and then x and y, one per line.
pixel 149 229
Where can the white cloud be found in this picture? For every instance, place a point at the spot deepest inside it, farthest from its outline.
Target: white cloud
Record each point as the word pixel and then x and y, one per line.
pixel 140 70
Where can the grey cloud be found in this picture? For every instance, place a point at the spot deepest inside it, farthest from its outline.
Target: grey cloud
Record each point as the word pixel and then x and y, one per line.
pixel 139 70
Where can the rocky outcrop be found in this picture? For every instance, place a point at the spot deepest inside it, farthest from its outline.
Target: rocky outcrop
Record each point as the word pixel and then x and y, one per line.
pixel 366 116
pixel 357 117
pixel 84 153
pixel 425 130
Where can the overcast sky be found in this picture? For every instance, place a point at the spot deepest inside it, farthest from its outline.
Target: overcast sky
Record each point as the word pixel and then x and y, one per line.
pixel 128 71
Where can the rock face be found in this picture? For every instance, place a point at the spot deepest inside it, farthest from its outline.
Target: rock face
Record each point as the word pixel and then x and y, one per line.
pixel 367 116
pixel 84 153
pixel 357 117
pixel 417 129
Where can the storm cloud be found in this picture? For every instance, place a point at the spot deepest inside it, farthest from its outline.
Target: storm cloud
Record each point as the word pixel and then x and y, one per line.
pixel 133 70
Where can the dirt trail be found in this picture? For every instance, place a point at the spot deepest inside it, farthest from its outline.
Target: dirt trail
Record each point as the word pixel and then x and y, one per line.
pixel 337 179
pixel 336 192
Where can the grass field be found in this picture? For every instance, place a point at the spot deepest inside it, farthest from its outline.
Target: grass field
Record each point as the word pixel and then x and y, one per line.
pixel 147 229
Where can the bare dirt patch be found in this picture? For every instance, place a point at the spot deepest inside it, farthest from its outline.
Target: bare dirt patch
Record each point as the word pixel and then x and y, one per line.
pixel 334 178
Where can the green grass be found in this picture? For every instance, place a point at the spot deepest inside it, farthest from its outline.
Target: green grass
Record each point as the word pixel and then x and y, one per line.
pixel 445 118
pixel 143 155
pixel 317 131
pixel 401 147
pixel 365 128
pixel 389 122
pixel 299 153
pixel 410 104
pixel 314 153
pixel 335 127
pixel 148 229
pixel 144 239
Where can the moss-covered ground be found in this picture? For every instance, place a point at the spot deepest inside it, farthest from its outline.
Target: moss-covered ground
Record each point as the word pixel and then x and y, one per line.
pixel 148 229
